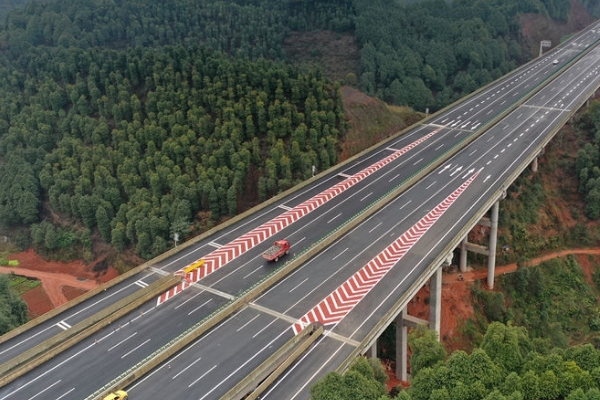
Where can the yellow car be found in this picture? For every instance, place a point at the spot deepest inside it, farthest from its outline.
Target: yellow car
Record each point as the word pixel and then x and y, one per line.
pixel 118 395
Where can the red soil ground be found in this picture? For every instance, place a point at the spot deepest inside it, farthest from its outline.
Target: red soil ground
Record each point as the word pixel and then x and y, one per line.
pixel 61 281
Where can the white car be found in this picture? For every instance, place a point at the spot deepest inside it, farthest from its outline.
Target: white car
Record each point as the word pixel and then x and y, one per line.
pixel 555 62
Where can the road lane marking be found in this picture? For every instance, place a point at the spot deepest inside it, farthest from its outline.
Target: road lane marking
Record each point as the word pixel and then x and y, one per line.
pixel 332 219
pixel 201 376
pixel 255 270
pixel 65 394
pixel 48 388
pixel 135 348
pixel 186 368
pixel 340 253
pixel 200 306
pixel 267 346
pixel 247 323
pixel 375 227
pixel 271 312
pixel 123 341
pixel 63 325
pixel 188 300
pixel 297 286
pixel 405 204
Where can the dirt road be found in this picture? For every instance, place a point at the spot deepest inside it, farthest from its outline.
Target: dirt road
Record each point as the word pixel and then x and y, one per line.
pixel 52 282
pixel 471 276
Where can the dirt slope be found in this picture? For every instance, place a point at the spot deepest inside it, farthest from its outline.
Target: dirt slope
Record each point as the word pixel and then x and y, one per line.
pixel 61 282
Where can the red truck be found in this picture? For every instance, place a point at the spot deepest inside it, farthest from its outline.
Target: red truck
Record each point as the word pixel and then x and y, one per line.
pixel 279 249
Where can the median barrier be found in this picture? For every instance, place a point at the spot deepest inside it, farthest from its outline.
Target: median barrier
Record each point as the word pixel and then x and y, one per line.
pixel 48 349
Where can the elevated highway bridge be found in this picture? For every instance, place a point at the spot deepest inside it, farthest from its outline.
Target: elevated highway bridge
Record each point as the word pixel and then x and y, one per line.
pixel 366 235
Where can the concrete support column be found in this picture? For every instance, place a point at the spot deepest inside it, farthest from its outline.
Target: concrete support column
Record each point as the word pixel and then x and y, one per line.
pixel 493 245
pixel 435 301
pixel 463 254
pixel 534 165
pixel 401 347
pixel 372 352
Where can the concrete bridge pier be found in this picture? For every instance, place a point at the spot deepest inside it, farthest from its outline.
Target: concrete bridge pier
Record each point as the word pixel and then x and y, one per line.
pixel 402 346
pixel 463 254
pixel 435 301
pixel 404 321
pixel 492 247
pixel 489 251
pixel 372 352
pixel 534 163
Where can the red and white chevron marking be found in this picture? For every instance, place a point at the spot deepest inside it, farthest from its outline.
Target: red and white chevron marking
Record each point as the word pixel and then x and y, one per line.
pixel 334 307
pixel 237 247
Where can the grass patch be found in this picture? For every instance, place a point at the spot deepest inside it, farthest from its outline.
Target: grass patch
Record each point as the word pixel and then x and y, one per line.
pixel 22 284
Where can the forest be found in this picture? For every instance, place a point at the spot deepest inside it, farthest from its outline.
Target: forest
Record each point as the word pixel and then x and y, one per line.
pixel 509 365
pixel 130 122
pixel 588 161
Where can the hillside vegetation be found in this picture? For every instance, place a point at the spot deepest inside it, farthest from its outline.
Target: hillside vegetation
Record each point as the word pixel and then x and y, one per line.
pixel 545 212
pixel 129 122
pixel 6 6
pixel 588 161
pixel 508 365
